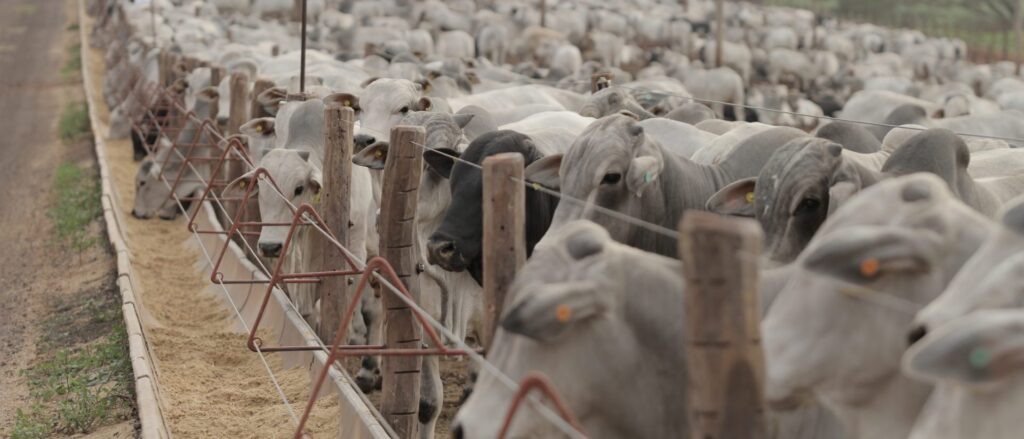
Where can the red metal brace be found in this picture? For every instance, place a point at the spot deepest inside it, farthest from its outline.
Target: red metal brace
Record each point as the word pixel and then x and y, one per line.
pixel 537 381
pixel 339 351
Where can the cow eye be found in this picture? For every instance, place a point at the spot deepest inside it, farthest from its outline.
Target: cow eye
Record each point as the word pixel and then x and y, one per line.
pixel 142 183
pixel 807 205
pixel 298 190
pixel 611 178
pixel 404 109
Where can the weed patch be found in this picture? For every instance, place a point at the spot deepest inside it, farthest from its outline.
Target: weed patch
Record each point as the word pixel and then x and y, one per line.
pixel 77 204
pixel 74 123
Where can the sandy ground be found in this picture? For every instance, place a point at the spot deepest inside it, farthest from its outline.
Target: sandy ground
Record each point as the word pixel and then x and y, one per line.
pixel 35 272
pixel 212 385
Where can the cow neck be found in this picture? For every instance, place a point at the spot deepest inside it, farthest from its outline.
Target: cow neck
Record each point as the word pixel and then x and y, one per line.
pixel 694 183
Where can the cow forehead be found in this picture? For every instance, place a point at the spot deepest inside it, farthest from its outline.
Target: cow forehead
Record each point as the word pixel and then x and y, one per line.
pixel 386 92
pixel 913 200
pixel 286 167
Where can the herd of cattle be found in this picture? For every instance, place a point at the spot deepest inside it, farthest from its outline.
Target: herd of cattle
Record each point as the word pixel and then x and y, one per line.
pixel 898 226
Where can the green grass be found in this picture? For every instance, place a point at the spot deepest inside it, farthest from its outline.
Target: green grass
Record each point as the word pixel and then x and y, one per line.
pixel 74 123
pixel 77 204
pixel 77 390
pixel 73 65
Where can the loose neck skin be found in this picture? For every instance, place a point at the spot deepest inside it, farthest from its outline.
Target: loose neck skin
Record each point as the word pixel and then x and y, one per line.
pixel 889 414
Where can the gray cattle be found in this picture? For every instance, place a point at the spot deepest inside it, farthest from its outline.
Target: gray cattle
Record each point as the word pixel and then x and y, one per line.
pixel 614 164
pixel 851 136
pixel 611 100
pixel 993 278
pixel 691 113
pixel 612 295
pixel 836 328
pixel 152 196
pixel 975 365
pixel 807 180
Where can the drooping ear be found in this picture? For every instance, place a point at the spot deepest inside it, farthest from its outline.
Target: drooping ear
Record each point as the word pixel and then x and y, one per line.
pixel 545 172
pixel 463 119
pixel 423 104
pixel 271 98
pixel 373 156
pixel 425 86
pixel 441 160
pixel 983 347
pixel 552 309
pixel 344 99
pixel 839 193
pixel 736 199
pixel 316 181
pixel 238 186
pixel 209 94
pixel 862 254
pixel 262 127
pixel 367 82
pixel 642 172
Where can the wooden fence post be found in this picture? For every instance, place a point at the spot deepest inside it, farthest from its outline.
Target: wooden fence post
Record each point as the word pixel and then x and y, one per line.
pixel 256 110
pixel 504 247
pixel 334 207
pixel 238 114
pixel 400 396
pixel 723 337
pixel 216 74
pixel 719 30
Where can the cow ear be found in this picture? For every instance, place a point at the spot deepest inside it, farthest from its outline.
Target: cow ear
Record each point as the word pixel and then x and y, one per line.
pixel 736 199
pixel 839 193
pixel 262 127
pixel 984 347
pixel 373 156
pixel 344 99
pixel 642 172
pixel 441 160
pixel 238 186
pixel 545 172
pixel 863 254
pixel 463 119
pixel 304 155
pixel 425 86
pixel 271 99
pixel 316 181
pixel 552 309
pixel 423 104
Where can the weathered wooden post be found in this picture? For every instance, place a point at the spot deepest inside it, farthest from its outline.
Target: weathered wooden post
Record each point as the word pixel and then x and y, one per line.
pixel 504 247
pixel 216 74
pixel 400 396
pixel 723 336
pixel 719 30
pixel 334 207
pixel 256 110
pixel 238 114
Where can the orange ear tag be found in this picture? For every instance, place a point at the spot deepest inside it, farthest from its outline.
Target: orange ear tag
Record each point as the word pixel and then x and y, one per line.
pixel 750 198
pixel 869 267
pixel 563 313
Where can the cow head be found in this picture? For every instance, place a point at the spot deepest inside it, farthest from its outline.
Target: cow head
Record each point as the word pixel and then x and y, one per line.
pixel 612 100
pixel 383 104
pixel 582 293
pixel 298 180
pixel 612 164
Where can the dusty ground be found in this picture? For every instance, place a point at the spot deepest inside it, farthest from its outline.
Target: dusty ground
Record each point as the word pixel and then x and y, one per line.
pixel 211 384
pixel 41 282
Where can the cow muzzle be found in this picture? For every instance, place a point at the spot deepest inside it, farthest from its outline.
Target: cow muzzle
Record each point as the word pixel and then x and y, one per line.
pixel 270 249
pixel 445 254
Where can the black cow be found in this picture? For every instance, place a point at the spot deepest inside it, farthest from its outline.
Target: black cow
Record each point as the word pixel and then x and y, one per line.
pixel 457 244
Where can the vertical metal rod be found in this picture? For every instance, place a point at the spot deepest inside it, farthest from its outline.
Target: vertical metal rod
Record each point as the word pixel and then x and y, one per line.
pixel 152 21
pixel 302 56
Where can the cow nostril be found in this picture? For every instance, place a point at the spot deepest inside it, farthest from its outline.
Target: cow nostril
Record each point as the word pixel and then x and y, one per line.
pixel 270 249
pixel 916 334
pixel 457 432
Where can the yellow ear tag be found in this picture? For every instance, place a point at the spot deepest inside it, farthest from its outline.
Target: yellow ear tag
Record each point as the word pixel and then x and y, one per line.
pixel 536 186
pixel 347 103
pixel 869 267
pixel 378 154
pixel 563 313
pixel 750 198
pixel 316 198
pixel 259 128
